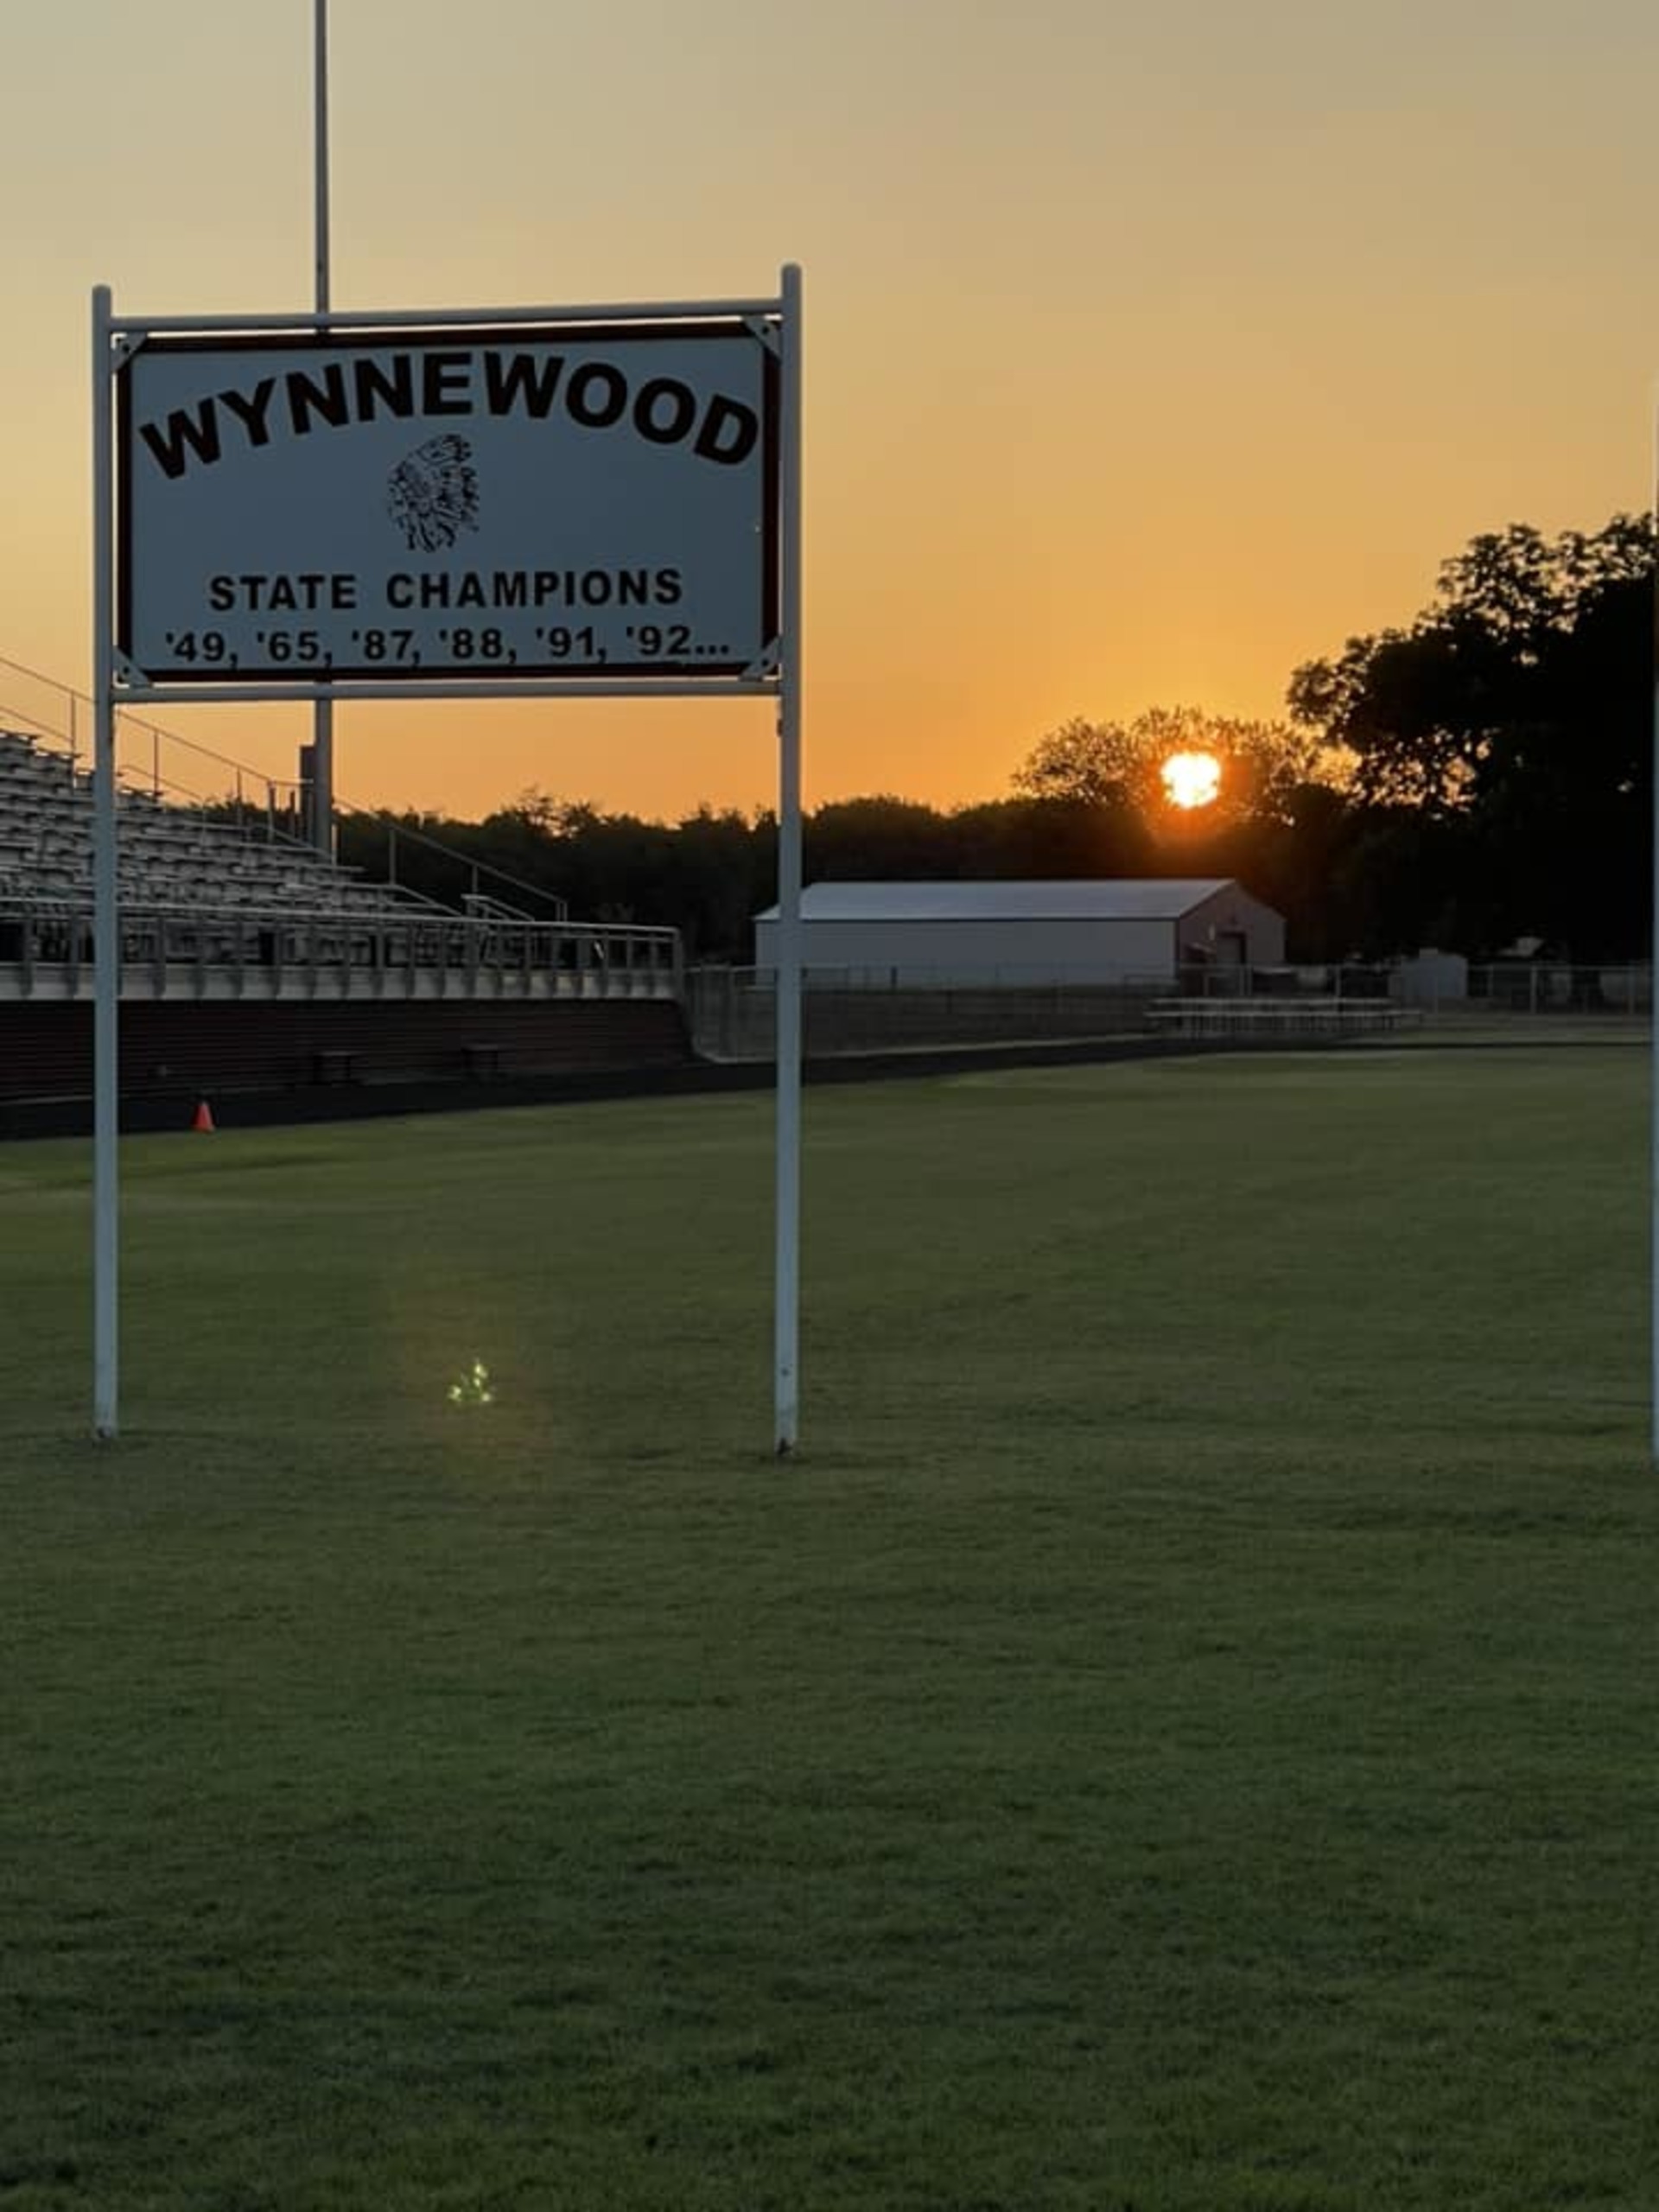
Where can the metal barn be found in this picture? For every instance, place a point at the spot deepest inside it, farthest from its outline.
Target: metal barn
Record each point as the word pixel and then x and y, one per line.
pixel 917 935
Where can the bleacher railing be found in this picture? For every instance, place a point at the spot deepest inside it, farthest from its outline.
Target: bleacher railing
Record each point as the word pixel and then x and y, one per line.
pixel 191 778
pixel 358 952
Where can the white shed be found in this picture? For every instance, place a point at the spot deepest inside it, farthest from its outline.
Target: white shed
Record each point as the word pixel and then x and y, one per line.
pixel 890 935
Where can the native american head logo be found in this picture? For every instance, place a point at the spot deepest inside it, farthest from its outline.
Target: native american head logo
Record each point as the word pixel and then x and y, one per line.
pixel 433 496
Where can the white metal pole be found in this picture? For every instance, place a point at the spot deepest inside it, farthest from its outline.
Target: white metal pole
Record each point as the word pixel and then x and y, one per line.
pixel 106 944
pixel 320 149
pixel 786 1309
pixel 1653 996
pixel 322 714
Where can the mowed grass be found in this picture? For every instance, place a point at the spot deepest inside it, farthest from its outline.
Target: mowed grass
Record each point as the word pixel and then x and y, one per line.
pixel 1181 1739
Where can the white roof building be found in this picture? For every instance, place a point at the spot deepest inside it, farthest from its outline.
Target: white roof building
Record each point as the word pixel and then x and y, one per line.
pixel 1139 929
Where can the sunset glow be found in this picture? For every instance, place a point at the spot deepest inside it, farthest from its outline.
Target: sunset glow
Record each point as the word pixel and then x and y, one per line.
pixel 1191 778
pixel 1017 511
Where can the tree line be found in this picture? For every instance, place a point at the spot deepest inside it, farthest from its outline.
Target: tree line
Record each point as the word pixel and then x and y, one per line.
pixel 1479 777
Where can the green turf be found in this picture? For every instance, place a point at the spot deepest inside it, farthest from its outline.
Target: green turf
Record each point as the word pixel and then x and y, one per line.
pixel 1183 1737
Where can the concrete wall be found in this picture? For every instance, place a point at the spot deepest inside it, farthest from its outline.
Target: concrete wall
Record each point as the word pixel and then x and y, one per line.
pixel 177 1049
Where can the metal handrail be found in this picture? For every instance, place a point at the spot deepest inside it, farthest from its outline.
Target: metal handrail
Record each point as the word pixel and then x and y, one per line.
pixel 157 732
pixel 66 906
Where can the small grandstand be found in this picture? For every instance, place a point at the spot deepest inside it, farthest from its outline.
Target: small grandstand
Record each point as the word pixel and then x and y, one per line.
pixel 251 961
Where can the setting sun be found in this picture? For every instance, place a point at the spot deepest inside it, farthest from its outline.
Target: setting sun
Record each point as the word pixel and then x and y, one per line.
pixel 1191 778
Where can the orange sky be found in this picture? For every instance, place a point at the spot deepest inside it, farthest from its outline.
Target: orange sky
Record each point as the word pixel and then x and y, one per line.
pixel 1146 357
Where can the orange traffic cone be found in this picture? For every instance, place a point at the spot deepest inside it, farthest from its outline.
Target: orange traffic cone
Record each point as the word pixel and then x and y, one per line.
pixel 204 1116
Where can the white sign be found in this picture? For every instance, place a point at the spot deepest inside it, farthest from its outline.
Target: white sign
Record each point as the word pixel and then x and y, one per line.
pixel 584 502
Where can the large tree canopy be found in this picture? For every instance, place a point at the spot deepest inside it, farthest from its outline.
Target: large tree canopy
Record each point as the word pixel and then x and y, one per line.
pixel 1517 709
pixel 1533 657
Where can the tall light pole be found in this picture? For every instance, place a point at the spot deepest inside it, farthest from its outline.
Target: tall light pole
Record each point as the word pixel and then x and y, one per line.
pixel 321 823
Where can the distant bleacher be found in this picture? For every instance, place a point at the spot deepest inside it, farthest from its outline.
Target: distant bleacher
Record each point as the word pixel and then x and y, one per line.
pixel 1241 1020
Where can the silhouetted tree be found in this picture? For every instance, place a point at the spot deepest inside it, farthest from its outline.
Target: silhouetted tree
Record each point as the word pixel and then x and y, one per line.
pixel 876 839
pixel 1517 706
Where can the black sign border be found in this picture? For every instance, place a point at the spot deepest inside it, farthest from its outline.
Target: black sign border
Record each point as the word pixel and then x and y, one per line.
pixel 492 677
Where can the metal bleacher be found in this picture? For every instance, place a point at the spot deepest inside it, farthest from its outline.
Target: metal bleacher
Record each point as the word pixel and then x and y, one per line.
pixel 251 962
pixel 166 854
pixel 216 904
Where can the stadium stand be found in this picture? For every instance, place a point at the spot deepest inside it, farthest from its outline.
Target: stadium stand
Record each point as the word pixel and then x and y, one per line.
pixel 251 962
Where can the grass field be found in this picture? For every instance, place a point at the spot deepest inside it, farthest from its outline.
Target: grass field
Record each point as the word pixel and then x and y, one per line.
pixel 1182 1738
